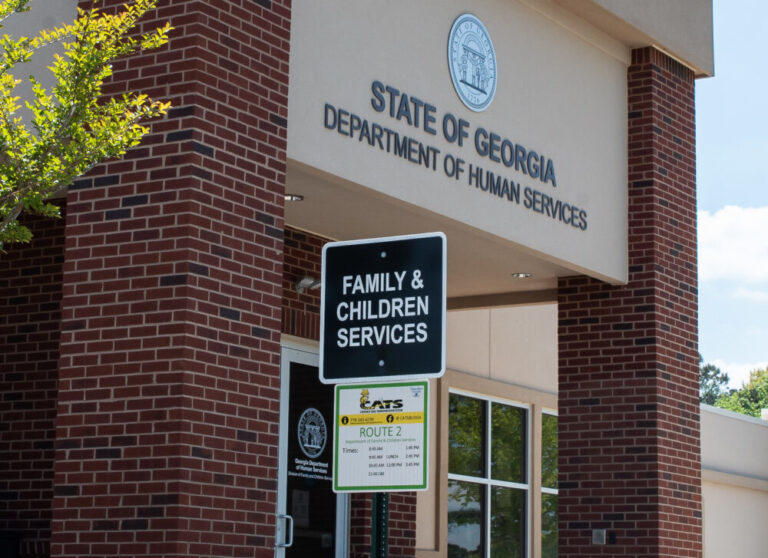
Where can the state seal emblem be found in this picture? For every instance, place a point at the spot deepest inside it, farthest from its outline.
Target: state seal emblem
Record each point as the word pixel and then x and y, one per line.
pixel 472 61
pixel 312 432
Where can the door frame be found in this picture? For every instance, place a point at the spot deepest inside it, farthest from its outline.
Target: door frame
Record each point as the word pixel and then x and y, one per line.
pixel 302 354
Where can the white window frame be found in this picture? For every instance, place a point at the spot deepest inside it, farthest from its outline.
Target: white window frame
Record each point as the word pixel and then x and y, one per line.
pixel 488 482
pixel 544 489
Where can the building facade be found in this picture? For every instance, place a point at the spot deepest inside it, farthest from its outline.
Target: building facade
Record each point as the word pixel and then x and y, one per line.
pixel 159 343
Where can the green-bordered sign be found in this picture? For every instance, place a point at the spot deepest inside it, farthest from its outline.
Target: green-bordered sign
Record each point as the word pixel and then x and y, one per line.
pixel 380 437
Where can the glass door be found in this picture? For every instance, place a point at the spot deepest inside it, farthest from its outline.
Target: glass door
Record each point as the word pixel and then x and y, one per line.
pixel 312 520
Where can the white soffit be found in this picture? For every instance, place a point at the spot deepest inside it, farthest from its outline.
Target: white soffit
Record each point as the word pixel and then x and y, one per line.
pixel 478 263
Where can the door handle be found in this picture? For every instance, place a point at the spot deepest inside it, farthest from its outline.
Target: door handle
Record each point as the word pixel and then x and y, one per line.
pixel 289 529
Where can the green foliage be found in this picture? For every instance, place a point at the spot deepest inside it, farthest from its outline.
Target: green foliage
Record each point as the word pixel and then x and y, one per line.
pixel 549 529
pixel 712 382
pixel 72 128
pixel 508 436
pixel 549 451
pixel 466 436
pixel 751 398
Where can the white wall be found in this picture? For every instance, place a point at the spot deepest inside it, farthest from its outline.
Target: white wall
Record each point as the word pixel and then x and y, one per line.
pixel 735 521
pixel 734 455
pixel 734 443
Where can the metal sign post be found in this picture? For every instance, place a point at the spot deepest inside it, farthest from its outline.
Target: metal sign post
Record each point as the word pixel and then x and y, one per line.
pixel 381 443
pixel 382 324
pixel 380 525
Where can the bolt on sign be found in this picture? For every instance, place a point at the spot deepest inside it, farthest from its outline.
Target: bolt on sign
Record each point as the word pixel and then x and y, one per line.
pixel 380 442
pixel 382 314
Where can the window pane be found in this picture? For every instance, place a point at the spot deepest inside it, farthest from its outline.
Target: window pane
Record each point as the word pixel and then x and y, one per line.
pixel 465 520
pixel 549 451
pixel 508 443
pixel 466 438
pixel 507 522
pixel 549 526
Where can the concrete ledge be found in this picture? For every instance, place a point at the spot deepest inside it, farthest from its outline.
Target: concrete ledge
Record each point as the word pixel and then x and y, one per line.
pixel 722 477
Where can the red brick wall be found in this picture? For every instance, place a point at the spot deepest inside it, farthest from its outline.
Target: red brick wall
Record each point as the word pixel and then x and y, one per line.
pixel 30 317
pixel 168 400
pixel 360 515
pixel 628 355
pixel 402 524
pixel 301 311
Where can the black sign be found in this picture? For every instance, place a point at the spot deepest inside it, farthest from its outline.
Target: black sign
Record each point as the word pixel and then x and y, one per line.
pixel 383 309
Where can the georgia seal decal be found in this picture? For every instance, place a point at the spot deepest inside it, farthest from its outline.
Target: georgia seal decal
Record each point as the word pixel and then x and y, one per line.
pixel 312 432
pixel 472 61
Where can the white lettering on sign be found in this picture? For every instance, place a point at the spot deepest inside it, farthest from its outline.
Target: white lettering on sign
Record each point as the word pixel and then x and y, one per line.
pixel 382 312
pixel 382 335
pixel 373 283
pixel 360 310
pixel 402 307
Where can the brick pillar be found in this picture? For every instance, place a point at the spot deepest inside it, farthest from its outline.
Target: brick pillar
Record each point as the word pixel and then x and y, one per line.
pixel 628 360
pixel 169 373
pixel 30 321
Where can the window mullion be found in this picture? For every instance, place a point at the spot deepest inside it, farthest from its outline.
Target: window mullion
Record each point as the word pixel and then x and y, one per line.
pixel 466 478
pixel 488 441
pixel 529 477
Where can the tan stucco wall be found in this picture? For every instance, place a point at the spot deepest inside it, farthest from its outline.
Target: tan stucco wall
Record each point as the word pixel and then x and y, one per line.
pixel 516 345
pixel 681 27
pixel 561 92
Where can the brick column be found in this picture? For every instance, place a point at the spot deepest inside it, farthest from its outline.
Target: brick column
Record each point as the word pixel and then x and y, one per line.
pixel 628 359
pixel 169 372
